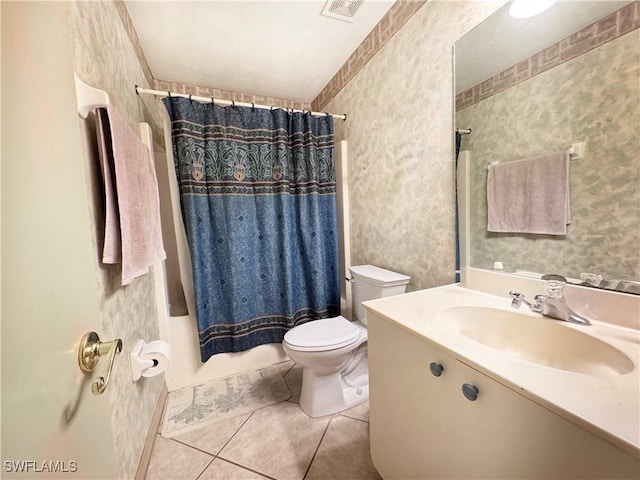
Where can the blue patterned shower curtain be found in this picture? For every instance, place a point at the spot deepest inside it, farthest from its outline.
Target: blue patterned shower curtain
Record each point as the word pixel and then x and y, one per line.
pixel 258 198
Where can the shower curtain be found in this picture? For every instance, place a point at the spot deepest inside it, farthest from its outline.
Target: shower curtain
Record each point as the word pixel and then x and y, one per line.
pixel 258 198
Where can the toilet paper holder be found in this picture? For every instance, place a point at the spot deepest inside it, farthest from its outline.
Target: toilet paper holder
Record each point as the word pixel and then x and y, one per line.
pixel 139 365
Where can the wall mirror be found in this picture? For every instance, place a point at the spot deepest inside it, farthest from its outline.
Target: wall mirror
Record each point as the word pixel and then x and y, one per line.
pixel 527 87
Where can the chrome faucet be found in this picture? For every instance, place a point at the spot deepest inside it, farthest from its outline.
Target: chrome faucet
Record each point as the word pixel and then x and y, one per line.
pixel 553 304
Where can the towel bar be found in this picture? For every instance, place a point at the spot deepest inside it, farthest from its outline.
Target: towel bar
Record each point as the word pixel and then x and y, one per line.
pixel 89 97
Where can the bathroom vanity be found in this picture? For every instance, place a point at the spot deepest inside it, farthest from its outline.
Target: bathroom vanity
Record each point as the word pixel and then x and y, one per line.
pixel 455 393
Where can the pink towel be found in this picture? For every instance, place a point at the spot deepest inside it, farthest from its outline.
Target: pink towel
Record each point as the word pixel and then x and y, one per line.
pixel 529 195
pixel 133 232
pixel 111 252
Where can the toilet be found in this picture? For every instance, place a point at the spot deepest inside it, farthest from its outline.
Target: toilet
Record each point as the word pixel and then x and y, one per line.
pixel 333 351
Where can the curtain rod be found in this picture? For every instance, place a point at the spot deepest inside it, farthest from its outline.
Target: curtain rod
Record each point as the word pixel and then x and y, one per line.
pixel 464 131
pixel 220 101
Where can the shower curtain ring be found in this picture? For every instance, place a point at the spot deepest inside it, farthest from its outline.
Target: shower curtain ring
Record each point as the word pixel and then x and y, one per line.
pixel 212 101
pixel 169 93
pixel 253 106
pixel 190 98
pixel 233 103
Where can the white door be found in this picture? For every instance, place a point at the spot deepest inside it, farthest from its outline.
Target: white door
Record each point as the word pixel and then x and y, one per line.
pixel 52 425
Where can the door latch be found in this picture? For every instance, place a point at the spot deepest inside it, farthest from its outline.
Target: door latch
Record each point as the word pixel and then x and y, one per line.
pixel 89 353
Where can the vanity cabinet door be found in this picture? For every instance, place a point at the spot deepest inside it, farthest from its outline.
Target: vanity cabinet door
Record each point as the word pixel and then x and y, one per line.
pixel 424 426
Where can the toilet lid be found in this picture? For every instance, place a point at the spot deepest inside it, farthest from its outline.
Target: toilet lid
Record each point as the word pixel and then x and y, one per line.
pixel 325 334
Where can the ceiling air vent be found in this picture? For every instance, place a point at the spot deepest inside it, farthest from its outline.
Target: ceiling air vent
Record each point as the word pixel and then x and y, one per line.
pixel 341 9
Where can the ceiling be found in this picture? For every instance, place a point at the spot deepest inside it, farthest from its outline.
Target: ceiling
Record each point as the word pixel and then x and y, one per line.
pixel 501 41
pixel 287 49
pixel 282 49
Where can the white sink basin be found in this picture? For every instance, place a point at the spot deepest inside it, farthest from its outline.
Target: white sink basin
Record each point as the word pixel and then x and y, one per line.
pixel 538 339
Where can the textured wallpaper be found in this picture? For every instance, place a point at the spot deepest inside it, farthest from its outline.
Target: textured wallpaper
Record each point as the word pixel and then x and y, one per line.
pixel 604 30
pixel 594 98
pixel 400 153
pixel 104 58
pixel 399 13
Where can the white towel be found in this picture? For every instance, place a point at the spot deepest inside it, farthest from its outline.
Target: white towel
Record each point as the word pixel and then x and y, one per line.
pixel 133 232
pixel 529 195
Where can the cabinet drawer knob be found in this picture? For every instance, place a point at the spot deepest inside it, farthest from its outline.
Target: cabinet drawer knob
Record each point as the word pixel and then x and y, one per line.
pixel 470 391
pixel 436 369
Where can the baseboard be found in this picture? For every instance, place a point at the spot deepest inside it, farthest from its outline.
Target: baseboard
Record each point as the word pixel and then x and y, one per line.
pixel 143 465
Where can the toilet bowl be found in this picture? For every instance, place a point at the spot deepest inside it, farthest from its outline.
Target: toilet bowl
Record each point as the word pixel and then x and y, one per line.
pixel 333 351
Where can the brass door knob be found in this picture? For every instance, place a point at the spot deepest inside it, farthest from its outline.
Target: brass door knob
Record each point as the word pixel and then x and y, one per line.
pixel 89 352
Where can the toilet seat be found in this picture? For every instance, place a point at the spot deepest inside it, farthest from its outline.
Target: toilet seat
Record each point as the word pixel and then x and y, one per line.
pixel 323 335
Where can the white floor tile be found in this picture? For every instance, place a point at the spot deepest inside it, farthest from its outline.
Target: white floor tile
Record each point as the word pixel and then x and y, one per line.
pixel 278 441
pixel 223 470
pixel 359 412
pixel 275 442
pixel 213 437
pixel 171 460
pixel 344 452
pixel 293 379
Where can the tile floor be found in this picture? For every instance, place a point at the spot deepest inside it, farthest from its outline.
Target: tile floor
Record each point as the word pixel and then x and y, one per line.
pixel 276 442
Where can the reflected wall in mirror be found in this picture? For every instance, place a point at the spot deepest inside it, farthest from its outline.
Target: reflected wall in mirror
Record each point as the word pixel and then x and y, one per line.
pixel 567 86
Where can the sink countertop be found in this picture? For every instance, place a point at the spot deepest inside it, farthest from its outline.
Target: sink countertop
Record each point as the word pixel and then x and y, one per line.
pixel 608 406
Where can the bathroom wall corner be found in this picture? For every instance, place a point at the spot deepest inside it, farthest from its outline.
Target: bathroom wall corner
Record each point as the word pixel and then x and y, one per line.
pixel 400 134
pixel 156 421
pixel 105 58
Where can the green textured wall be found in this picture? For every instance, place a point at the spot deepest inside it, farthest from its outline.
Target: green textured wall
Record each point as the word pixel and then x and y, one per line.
pixel 594 98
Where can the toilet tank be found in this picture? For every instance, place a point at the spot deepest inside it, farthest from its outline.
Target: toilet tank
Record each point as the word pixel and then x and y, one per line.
pixel 371 282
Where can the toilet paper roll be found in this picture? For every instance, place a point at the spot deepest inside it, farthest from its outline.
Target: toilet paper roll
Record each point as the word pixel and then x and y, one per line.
pixel 159 353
